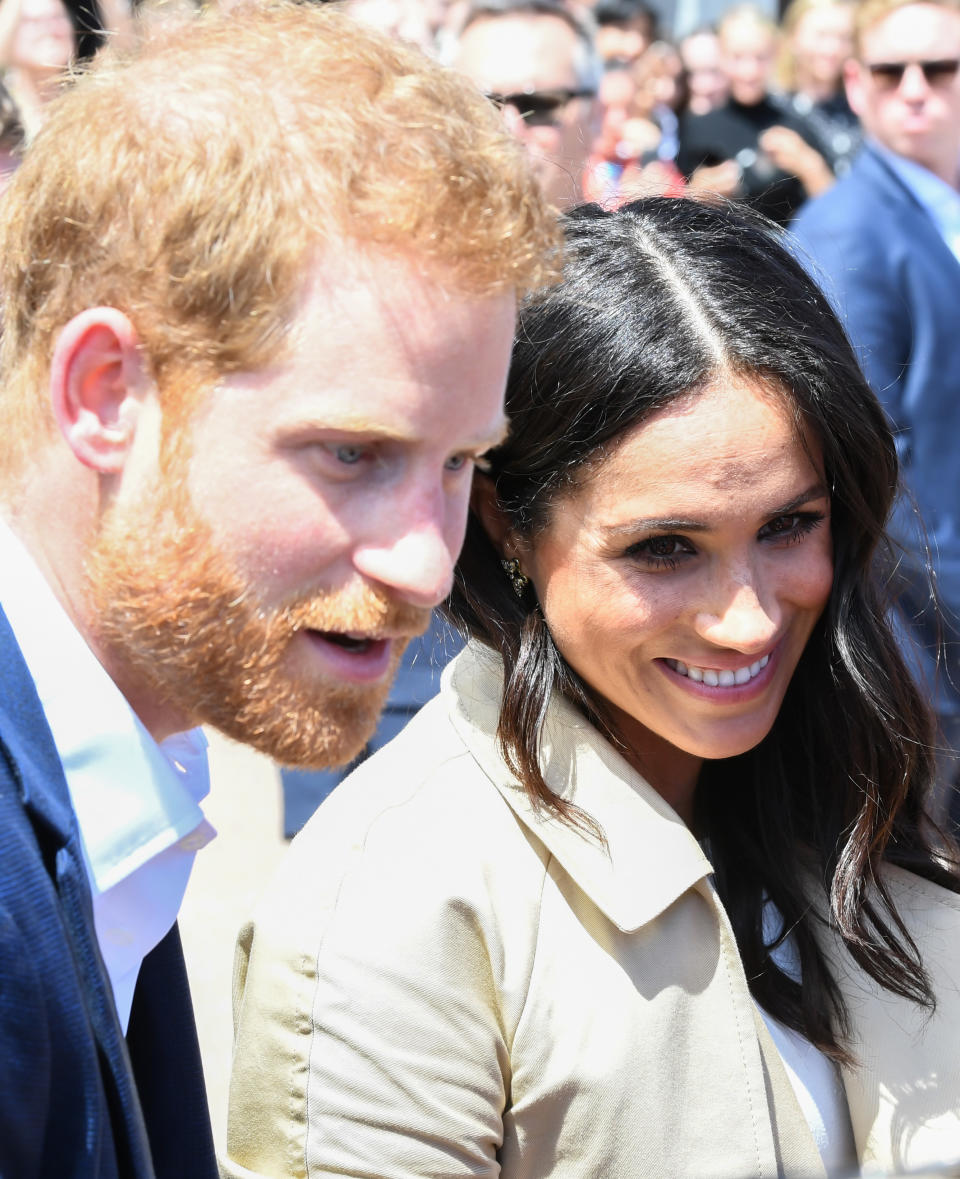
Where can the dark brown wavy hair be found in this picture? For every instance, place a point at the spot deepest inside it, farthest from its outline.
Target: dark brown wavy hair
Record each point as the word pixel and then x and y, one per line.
pixel 656 299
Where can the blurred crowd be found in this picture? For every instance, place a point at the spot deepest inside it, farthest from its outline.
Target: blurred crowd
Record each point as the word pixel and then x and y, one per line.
pixel 620 98
pixel 615 98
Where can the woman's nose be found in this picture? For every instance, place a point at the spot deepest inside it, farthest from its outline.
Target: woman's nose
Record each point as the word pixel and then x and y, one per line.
pixel 742 620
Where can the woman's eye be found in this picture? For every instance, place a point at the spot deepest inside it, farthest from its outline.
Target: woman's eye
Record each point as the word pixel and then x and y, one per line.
pixel 662 546
pixel 792 527
pixel 456 462
pixel 661 552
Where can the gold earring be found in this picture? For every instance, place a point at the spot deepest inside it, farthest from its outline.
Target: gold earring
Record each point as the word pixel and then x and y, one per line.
pixel 518 579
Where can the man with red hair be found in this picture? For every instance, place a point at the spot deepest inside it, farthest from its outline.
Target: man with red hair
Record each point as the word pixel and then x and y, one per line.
pixel 259 288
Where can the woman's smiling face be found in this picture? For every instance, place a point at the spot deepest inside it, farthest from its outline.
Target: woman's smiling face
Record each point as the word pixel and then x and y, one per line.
pixel 684 575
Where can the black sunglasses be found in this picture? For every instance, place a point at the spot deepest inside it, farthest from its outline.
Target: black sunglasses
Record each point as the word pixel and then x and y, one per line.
pixel 540 108
pixel 889 74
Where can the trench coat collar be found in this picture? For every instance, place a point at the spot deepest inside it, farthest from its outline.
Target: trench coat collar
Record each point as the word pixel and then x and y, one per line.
pixel 650 858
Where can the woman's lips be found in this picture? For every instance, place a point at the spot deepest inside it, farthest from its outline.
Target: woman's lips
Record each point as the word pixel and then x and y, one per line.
pixel 719 685
pixel 721 677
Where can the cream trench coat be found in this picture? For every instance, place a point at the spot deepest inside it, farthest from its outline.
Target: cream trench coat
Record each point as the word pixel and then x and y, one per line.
pixel 441 982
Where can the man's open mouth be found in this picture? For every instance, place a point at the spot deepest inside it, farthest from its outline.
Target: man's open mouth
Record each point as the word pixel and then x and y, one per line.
pixel 357 644
pixel 352 656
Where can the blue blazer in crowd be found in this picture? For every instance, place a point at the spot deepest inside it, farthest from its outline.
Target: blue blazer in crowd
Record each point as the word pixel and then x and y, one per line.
pixel 77 1100
pixel 883 263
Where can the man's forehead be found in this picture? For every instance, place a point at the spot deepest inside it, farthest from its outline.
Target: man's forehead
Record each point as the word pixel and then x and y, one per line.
pixel 911 30
pixel 377 344
pixel 395 290
pixel 517 52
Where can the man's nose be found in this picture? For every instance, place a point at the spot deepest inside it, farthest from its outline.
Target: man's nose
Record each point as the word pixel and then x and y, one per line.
pixel 741 617
pixel 415 563
pixel 514 121
pixel 914 84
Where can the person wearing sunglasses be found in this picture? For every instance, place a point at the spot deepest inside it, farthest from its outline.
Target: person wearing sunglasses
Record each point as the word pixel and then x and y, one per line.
pixel 537 61
pixel 885 241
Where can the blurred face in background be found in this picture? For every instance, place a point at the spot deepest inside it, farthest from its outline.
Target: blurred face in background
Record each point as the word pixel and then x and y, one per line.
pixel 625 41
pixel 706 81
pixel 660 78
pixel 42 42
pixel 398 18
pixel 617 93
pixel 747 50
pixel 905 85
pixel 821 44
pixel 531 65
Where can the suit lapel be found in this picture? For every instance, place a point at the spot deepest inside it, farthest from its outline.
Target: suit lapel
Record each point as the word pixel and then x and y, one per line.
pixel 883 179
pixel 46 802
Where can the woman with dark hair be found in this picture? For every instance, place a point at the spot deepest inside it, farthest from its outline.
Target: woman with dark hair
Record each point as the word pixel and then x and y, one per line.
pixel 649 889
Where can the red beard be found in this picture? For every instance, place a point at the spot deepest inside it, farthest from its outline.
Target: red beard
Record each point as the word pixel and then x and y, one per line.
pixel 179 624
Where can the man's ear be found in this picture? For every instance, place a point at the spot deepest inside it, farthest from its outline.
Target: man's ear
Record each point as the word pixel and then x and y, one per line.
pixel 853 84
pixel 97 384
pixel 486 506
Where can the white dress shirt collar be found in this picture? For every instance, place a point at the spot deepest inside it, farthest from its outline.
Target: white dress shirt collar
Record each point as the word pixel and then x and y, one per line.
pixel 136 802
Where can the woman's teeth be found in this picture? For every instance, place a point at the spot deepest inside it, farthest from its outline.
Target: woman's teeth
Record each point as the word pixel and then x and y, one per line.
pixel 719 679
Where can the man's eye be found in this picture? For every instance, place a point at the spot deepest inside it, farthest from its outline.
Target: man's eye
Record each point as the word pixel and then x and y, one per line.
pixel 456 462
pixel 349 454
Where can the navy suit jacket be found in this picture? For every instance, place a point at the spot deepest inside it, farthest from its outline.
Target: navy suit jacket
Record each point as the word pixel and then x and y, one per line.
pixel 896 285
pixel 77 1100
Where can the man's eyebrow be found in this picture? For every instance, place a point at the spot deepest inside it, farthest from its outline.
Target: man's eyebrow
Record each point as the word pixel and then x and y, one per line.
pixel 682 524
pixel 366 427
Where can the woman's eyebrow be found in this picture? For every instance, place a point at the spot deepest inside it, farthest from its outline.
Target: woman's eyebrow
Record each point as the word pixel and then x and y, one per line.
pixel 657 524
pixel 815 491
pixel 684 524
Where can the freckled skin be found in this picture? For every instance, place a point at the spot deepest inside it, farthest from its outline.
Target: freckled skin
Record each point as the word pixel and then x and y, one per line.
pixel 327 493
pixel 739 566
